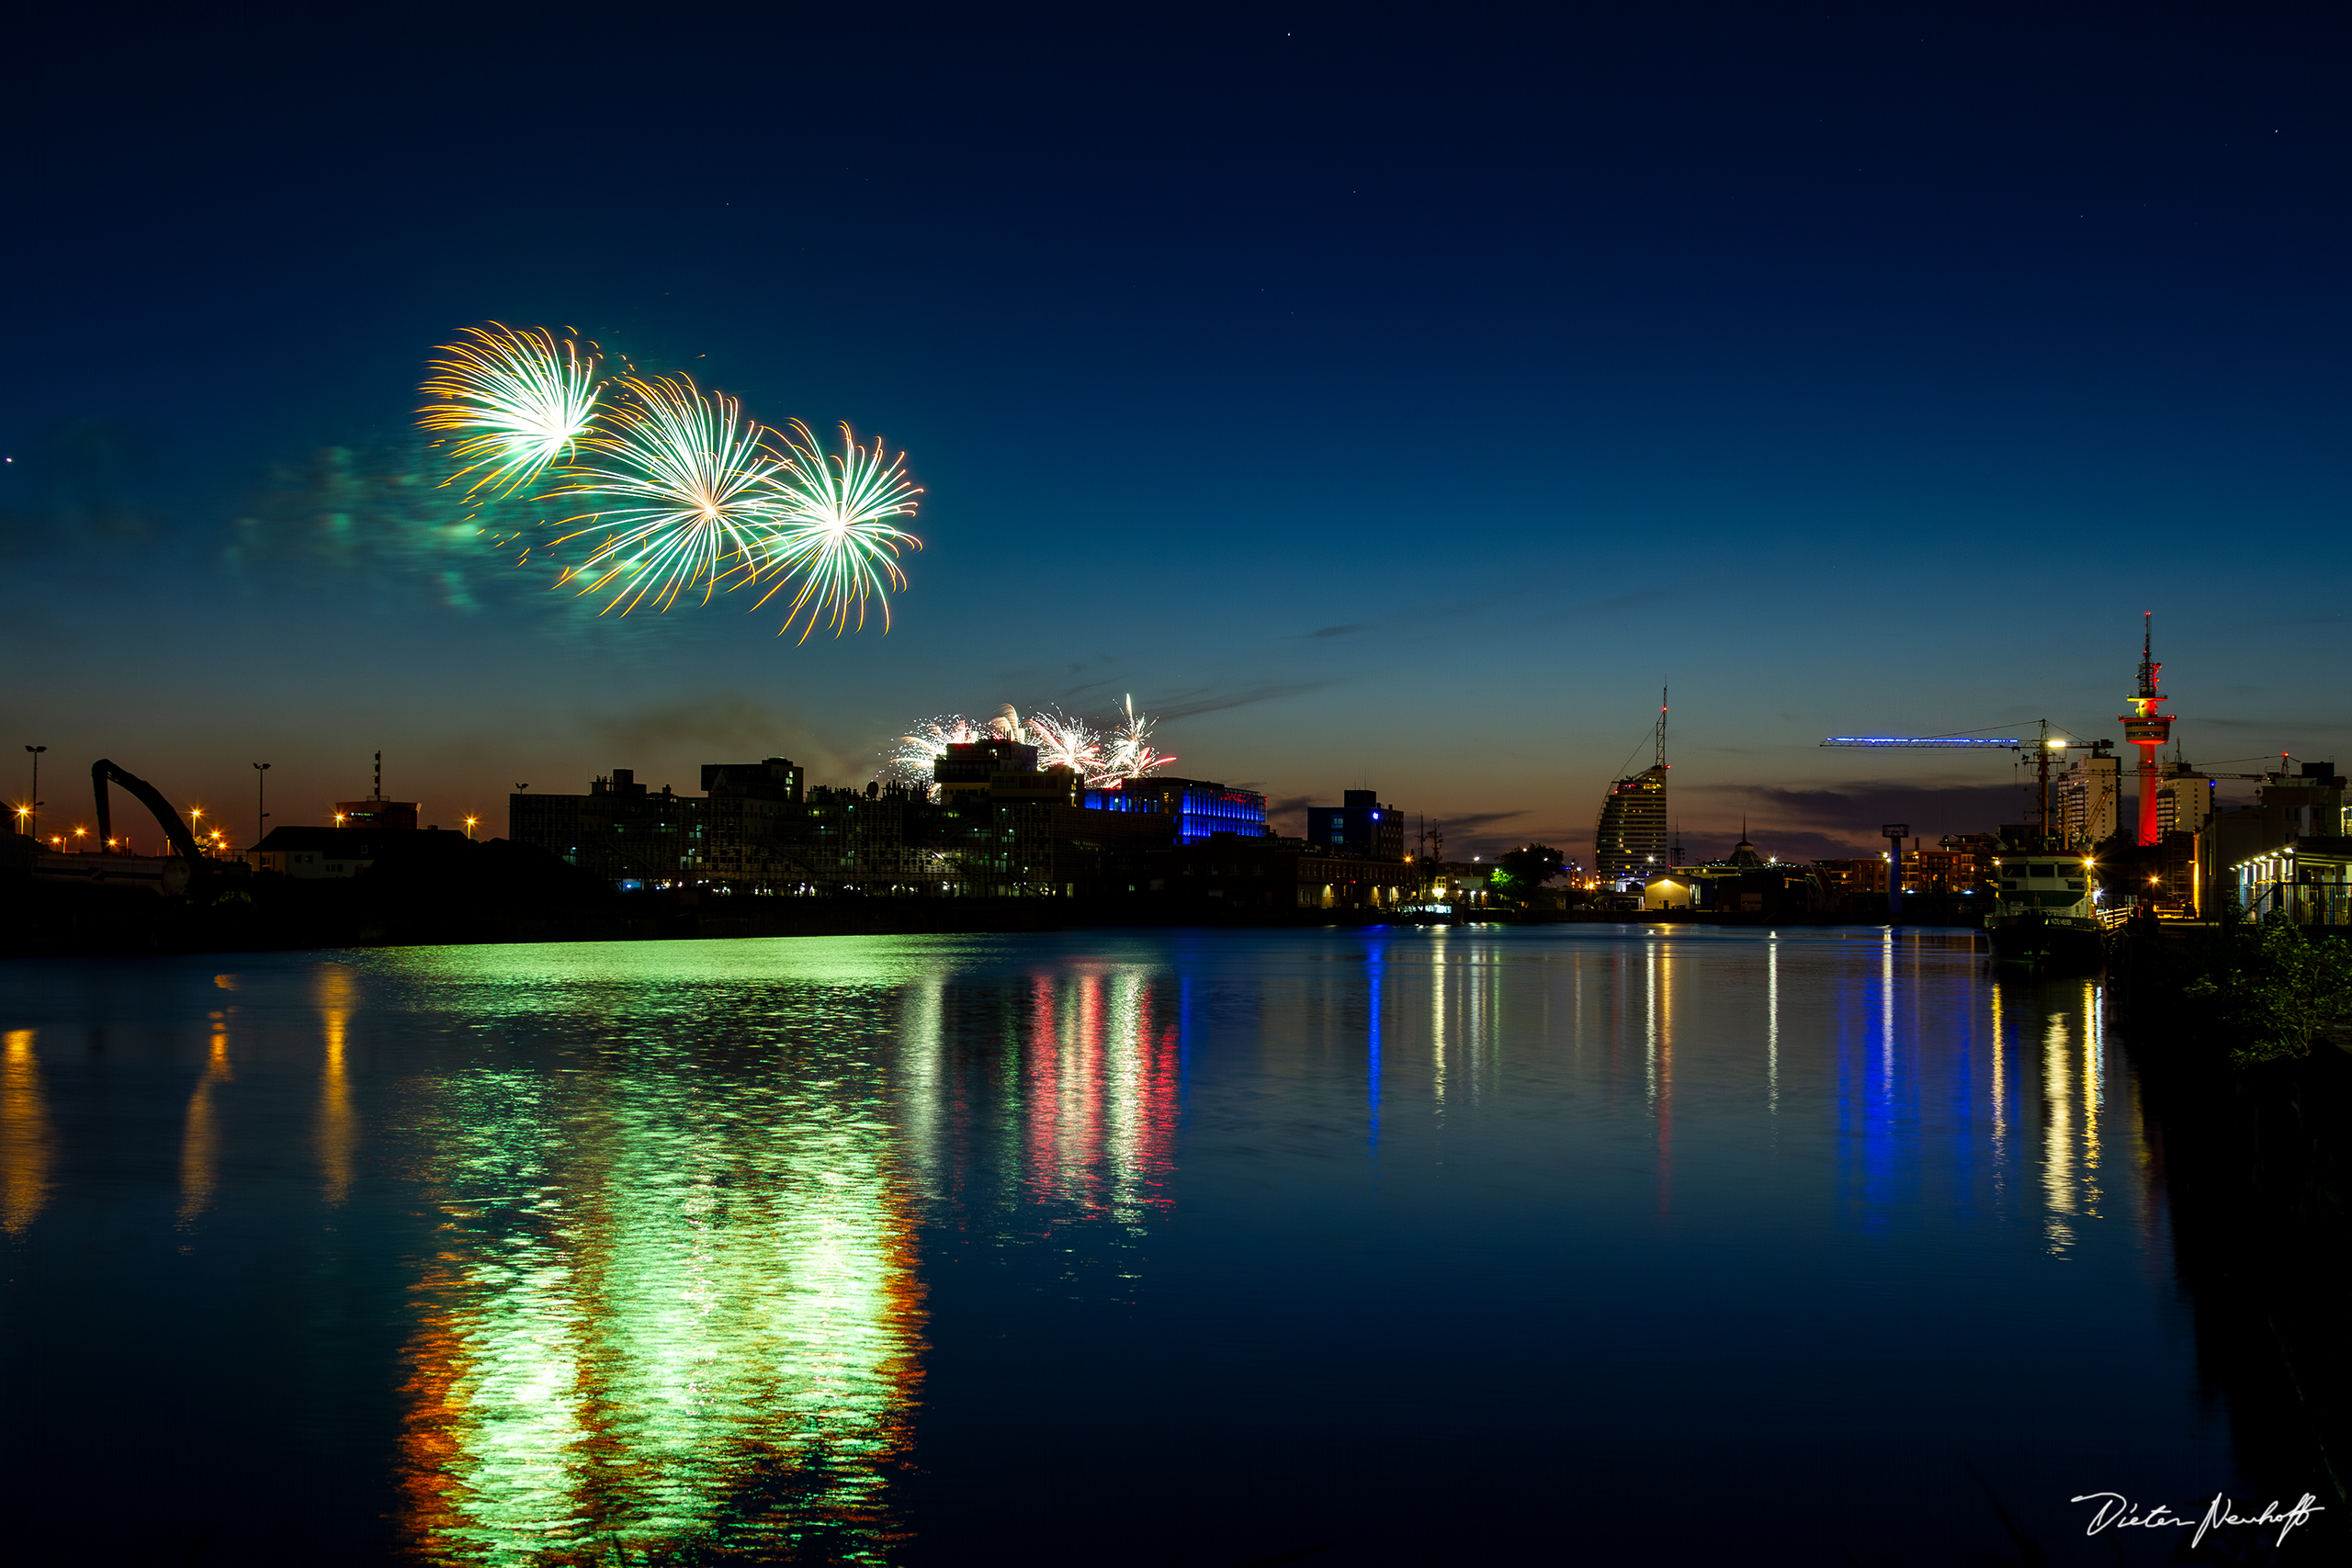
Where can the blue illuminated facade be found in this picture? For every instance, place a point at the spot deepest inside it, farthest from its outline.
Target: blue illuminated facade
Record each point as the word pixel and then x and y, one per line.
pixel 1201 808
pixel 1116 800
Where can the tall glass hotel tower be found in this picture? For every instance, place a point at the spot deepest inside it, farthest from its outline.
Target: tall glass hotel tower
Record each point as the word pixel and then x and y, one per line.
pixel 1631 842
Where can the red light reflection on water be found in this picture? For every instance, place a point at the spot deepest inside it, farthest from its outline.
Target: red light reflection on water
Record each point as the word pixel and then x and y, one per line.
pixel 1098 1080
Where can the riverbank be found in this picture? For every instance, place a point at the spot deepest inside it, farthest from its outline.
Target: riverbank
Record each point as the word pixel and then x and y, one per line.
pixel 2253 1135
pixel 96 922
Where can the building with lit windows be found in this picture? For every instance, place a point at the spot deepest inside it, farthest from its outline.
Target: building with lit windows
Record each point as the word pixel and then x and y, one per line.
pixel 1630 844
pixel 2309 880
pixel 2184 799
pixel 2088 798
pixel 1359 825
pixel 971 767
pixel 620 832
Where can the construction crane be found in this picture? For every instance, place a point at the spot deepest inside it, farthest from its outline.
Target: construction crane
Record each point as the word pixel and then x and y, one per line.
pixel 2044 746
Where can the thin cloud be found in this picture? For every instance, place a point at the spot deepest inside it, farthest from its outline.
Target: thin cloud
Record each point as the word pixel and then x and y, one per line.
pixel 1211 700
pixel 1809 823
pixel 1338 631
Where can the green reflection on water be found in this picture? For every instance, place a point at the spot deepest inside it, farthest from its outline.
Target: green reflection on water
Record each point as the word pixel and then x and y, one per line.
pixel 673 1300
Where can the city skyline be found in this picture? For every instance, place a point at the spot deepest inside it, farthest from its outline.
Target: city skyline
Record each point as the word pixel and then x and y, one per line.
pixel 1384 411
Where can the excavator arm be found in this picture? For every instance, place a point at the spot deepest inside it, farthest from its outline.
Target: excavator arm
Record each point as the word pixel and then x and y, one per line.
pixel 183 842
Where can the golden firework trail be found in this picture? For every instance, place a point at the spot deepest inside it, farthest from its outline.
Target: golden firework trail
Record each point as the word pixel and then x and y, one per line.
pixel 831 530
pixel 520 400
pixel 697 496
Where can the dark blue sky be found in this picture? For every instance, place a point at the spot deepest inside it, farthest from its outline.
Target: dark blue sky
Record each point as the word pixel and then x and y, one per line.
pixel 1398 398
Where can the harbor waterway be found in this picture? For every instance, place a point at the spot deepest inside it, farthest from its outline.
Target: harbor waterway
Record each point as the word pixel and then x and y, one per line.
pixel 1577 1243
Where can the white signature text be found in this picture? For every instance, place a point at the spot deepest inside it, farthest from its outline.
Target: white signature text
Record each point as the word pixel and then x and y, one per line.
pixel 2117 1510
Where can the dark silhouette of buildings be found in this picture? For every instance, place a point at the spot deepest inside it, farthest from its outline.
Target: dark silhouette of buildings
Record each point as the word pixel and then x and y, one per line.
pixel 1360 825
pixel 994 825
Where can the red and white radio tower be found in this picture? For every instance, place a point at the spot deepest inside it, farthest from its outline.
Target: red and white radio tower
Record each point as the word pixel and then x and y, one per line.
pixel 2145 727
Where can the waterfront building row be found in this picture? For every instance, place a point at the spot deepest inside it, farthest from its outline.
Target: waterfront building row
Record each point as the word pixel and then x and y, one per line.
pixel 992 825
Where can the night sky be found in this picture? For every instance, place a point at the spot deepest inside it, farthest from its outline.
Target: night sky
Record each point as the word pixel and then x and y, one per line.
pixel 1391 399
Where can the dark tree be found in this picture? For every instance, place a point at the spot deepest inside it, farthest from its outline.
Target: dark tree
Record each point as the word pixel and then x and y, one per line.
pixel 1534 864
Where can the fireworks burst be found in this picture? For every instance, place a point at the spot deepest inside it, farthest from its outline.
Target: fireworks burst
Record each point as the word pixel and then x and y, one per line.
pixel 911 760
pixel 522 398
pixel 699 494
pixel 1106 759
pixel 1066 742
pixel 833 531
pixel 686 495
pixel 1130 753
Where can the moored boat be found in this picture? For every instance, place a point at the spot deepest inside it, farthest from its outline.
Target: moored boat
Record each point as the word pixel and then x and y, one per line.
pixel 2043 914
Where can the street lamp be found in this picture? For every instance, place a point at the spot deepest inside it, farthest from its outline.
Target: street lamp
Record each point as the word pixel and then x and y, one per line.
pixel 33 827
pixel 261 799
pixel 470 826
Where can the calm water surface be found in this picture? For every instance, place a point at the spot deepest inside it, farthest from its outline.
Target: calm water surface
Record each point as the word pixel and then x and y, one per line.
pixel 1578 1245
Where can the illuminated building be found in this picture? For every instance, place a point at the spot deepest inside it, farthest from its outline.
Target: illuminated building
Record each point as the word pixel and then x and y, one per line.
pixel 2089 798
pixel 1630 843
pixel 1361 824
pixel 2308 879
pixel 2184 799
pixel 2260 854
pixel 1202 809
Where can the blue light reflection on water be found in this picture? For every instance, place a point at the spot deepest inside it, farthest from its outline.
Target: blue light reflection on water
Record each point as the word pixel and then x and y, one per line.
pixel 1050 1249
